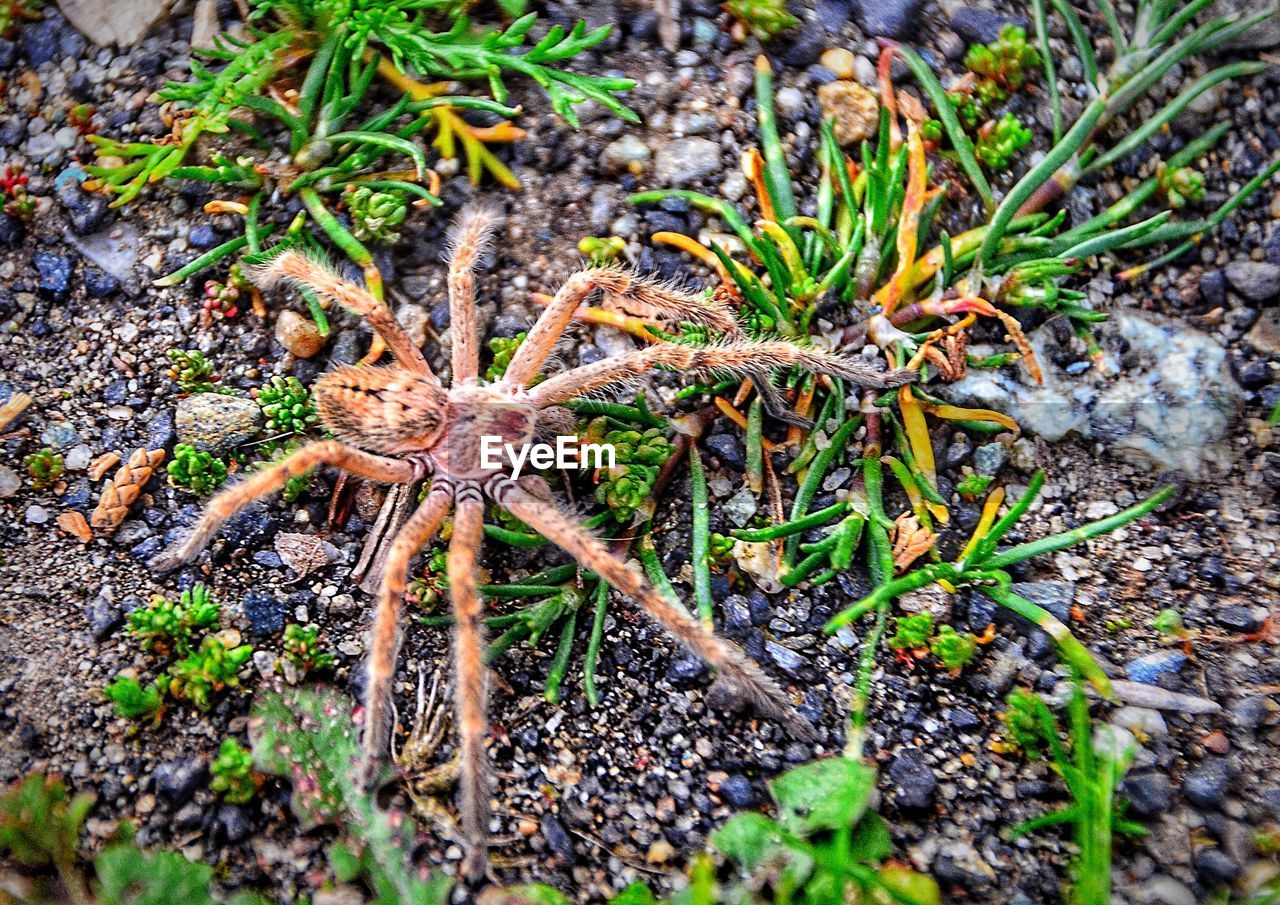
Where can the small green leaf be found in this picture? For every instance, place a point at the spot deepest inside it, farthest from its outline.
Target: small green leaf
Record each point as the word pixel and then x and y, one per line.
pixel 824 795
pixel 750 839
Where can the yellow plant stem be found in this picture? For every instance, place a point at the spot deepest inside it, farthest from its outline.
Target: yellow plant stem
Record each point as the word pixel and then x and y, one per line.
pixel 956 413
pixel 917 429
pixel 753 169
pixel 726 408
pixel 989 510
pixel 691 247
pixel 909 223
pixel 629 325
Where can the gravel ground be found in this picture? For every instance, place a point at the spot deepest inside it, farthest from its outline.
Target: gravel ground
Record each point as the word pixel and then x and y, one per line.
pixel 592 799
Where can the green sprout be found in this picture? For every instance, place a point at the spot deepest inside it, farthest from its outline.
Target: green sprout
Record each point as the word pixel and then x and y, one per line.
pixel 191 371
pixel 133 701
pixel 199 472
pixel 953 650
pixel 1092 766
pixel 302 649
pixel 222 300
pixel 232 776
pixel 1001 65
pixel 376 216
pixel 287 405
pixel 207 670
pixel 601 251
pixel 503 349
pixel 165 627
pixel 638 456
pixel 40 826
pixel 984 566
pixel 973 485
pixel 45 468
pixel 763 18
pixel 341 137
pixel 1000 140
pixel 1168 624
pixel 1181 186
pixel 275 451
pixel 913 634
pixel 429 587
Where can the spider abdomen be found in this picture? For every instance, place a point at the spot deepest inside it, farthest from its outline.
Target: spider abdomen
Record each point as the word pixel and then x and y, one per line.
pixel 386 410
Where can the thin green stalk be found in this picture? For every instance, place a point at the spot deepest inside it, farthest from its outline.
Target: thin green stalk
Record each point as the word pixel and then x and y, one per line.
pixel 208 259
pixel 1050 73
pixel 777 178
pixel 947 115
pixel 1078 535
pixel 755 445
pixel 1069 647
pixel 560 662
pixel 593 645
pixel 797 526
pixel 701 545
pixel 813 479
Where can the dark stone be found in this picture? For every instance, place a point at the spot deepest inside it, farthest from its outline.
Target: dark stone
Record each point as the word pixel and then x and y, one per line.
pixel 177 780
pixel 147 548
pixel 830 15
pixel 1257 281
pixel 1206 786
pixel 963 719
pixel 266 614
pixel 116 392
pixel 202 236
pixel 1238 619
pixel 805 48
pixel 160 430
pixel 737 612
pixel 685 669
pixel 728 448
pixel 887 18
pixel 86 210
pixel 12 132
pixel 8 51
pixel 104 617
pixel 54 271
pixel 1149 794
pixel 1254 374
pixel 737 792
pixel 914 781
pixel 1213 288
pixel 233 824
pixel 269 559
pixel 557 839
pixel 980 26
pixel 1215 866
pixel 786 659
pixel 250 526
pixel 149 63
pixel 40 42
pixel 189 816
pixel 72 43
pixel 100 284
pixel 12 230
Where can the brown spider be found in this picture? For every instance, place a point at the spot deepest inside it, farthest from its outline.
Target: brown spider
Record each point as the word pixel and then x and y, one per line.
pixel 399 425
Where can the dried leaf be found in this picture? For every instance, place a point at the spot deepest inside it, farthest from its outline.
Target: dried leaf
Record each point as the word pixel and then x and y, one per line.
pixel 911 540
pixel 123 490
pixel 303 553
pixel 74 524
pixel 16 405
pixel 103 464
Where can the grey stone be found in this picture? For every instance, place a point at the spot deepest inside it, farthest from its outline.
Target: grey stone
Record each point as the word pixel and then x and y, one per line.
pixel 887 18
pixel 913 779
pixel 1149 794
pixel 1150 668
pixel 686 160
pixel 1206 786
pixel 788 660
pixel 212 422
pixel 1258 281
pixel 177 780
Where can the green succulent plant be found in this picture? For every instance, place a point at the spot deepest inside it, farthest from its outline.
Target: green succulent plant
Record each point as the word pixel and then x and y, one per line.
pixel 914 632
pixel 133 701
pixel 302 649
pixel 953 649
pixel 232 776
pixel 287 405
pixel 191 370
pixel 1181 185
pixel 377 216
pixel 999 141
pixel 207 670
pixel 763 18
pixel 166 627
pixel 199 472
pixel 45 468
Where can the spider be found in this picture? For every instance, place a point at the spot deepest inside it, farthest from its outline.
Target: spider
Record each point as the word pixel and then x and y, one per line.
pixel 398 424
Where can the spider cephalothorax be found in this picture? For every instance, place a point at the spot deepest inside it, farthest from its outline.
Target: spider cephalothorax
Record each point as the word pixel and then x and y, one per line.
pixel 399 425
